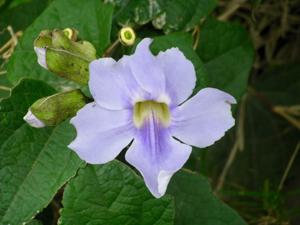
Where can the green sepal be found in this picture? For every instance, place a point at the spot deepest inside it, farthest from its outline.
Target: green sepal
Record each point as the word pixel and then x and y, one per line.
pixel 44 39
pixel 83 48
pixel 54 109
pixel 68 65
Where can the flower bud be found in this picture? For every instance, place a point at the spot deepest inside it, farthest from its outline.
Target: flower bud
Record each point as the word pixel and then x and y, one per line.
pixel 127 36
pixel 61 53
pixel 51 110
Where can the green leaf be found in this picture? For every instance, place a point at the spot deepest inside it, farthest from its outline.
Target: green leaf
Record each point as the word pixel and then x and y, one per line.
pixel 5 86
pixel 281 84
pixel 227 53
pixel 14 108
pixel 184 42
pixel 91 18
pixel 35 164
pixel 32 161
pixel 21 16
pixel 137 12
pixel 184 15
pixel 2 2
pixel 35 222
pixel 112 194
pixel 195 203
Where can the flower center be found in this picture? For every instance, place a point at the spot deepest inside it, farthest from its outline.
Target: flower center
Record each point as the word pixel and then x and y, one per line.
pixel 146 110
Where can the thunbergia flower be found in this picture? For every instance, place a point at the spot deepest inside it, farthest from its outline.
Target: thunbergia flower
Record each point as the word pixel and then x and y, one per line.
pixel 142 99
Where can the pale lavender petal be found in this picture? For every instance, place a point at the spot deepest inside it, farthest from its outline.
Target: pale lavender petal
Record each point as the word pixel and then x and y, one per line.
pixel 41 56
pixel 180 75
pixel 204 118
pixel 146 70
pixel 112 84
pixel 157 156
pixel 103 85
pixel 101 133
pixel 33 121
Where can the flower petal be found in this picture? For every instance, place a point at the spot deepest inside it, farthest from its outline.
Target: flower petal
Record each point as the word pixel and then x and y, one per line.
pixel 41 56
pixel 101 133
pixel 157 156
pixel 204 118
pixel 33 121
pixel 180 75
pixel 103 85
pixel 112 84
pixel 146 70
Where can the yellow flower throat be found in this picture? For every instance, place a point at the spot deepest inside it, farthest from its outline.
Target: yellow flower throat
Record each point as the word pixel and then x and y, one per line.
pixel 147 109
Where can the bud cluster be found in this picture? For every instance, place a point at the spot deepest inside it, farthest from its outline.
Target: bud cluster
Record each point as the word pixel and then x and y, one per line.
pixel 60 52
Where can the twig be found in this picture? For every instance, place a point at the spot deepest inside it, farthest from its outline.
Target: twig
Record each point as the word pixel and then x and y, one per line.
pixel 195 34
pixel 109 50
pixel 232 7
pixel 290 163
pixel 238 145
pixel 7 49
pixel 3 72
pixel 289 113
pixel 284 17
pixel 4 88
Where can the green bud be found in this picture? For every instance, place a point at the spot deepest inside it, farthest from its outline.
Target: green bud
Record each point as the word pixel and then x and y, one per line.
pixel 54 109
pixel 61 53
pixel 127 36
pixel 71 33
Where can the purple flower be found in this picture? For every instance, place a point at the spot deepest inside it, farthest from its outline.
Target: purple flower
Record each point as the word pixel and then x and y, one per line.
pixel 142 99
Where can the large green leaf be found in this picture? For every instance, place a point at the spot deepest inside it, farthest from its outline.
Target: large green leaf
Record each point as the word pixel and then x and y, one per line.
pixel 281 84
pixel 14 108
pixel 195 203
pixel 184 42
pixel 131 12
pixel 35 222
pixel 34 163
pixel 184 15
pixel 227 53
pixel 112 194
pixel 18 17
pixel 21 16
pixel 91 18
pixel 169 15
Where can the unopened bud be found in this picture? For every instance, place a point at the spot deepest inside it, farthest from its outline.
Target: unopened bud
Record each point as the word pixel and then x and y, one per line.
pixel 127 36
pixel 53 109
pixel 59 52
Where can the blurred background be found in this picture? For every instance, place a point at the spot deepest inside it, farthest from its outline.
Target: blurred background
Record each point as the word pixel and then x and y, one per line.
pixel 255 167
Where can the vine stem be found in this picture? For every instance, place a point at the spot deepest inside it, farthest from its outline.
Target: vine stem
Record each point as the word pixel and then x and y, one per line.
pixel 109 50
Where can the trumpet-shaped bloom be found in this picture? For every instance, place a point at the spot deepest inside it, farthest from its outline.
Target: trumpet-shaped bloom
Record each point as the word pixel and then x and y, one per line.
pixel 142 99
